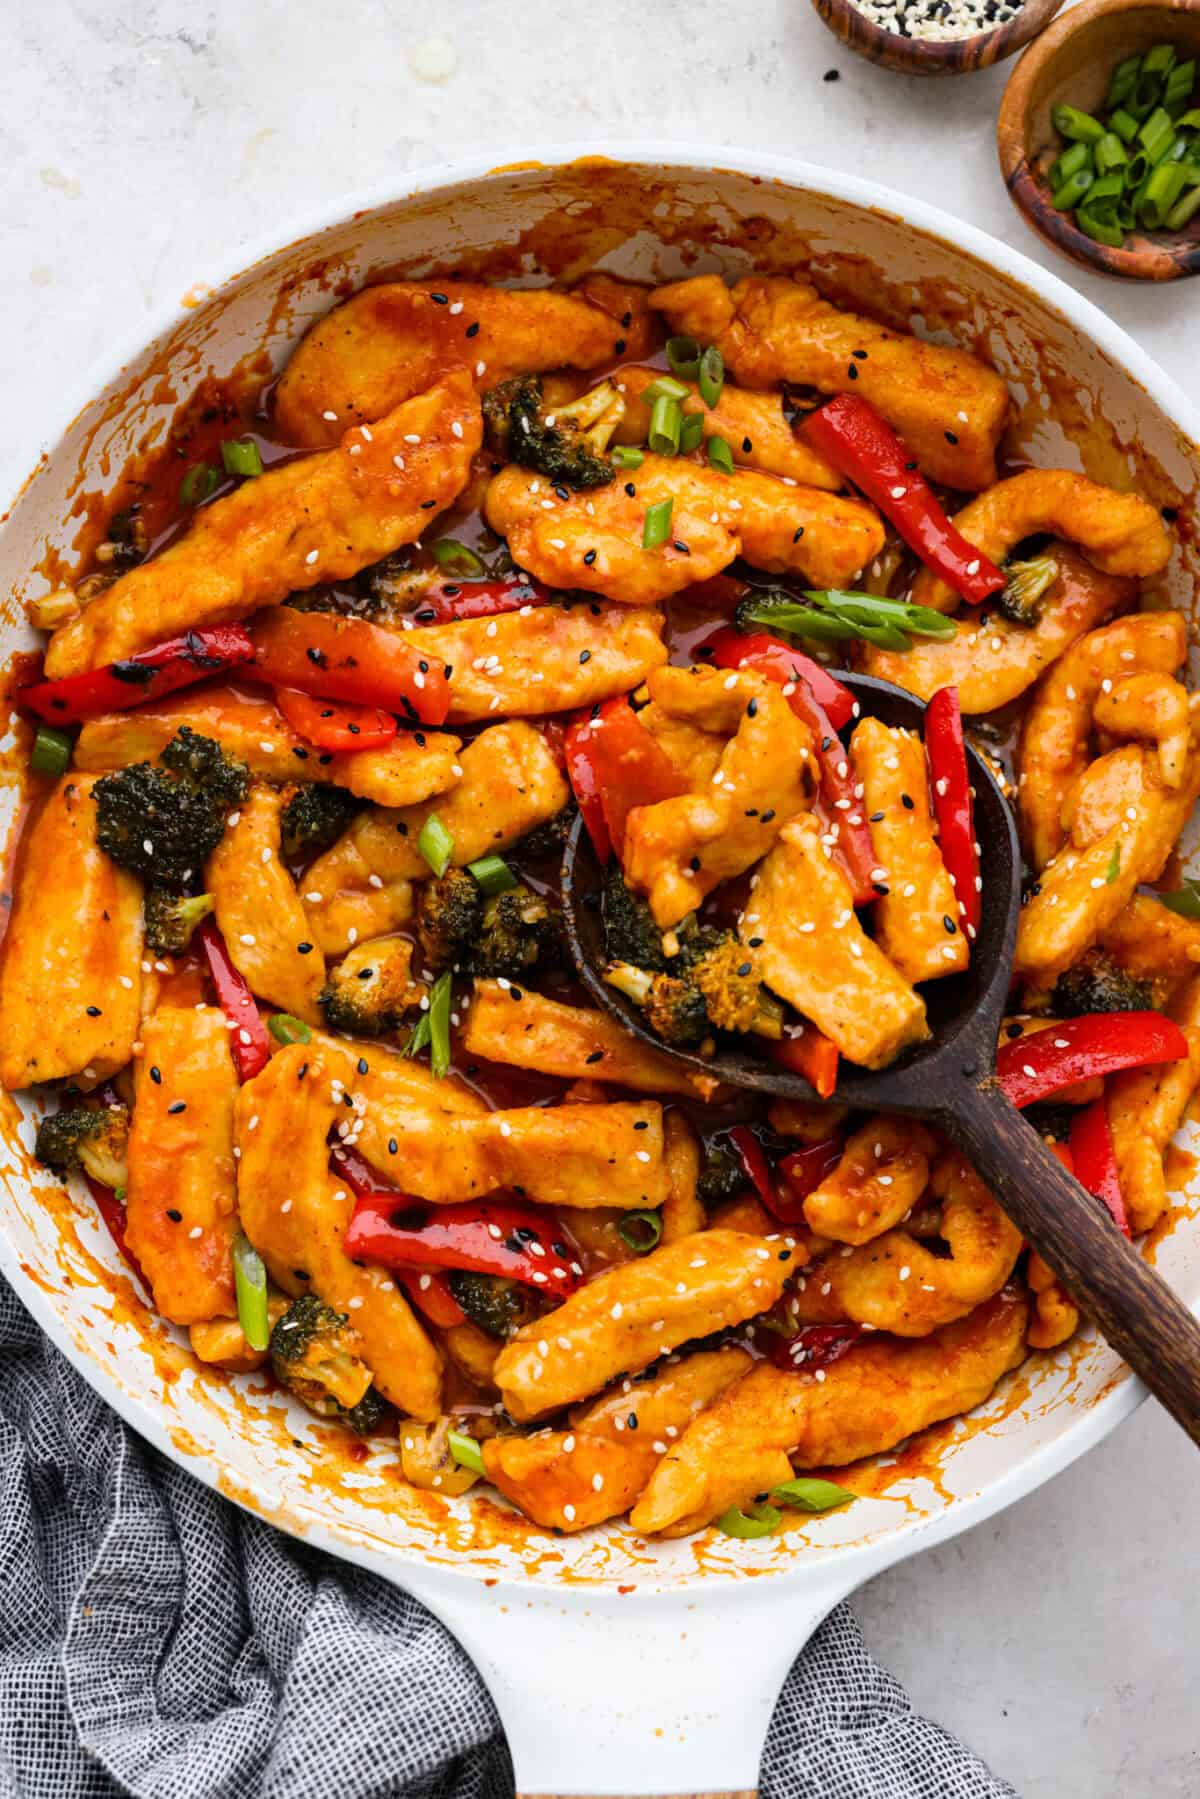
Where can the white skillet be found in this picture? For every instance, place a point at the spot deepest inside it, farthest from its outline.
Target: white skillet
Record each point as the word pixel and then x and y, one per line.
pixel 618 1666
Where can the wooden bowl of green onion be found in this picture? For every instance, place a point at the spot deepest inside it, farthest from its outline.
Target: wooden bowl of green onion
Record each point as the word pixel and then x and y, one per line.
pixel 1099 137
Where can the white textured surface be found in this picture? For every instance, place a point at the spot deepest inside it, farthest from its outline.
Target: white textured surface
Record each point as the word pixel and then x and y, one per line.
pixel 144 142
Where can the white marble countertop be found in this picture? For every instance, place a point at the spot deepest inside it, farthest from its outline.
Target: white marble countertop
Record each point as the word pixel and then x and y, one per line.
pixel 145 142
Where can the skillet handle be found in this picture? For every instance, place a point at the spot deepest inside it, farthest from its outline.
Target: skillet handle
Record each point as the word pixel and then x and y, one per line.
pixel 1140 1315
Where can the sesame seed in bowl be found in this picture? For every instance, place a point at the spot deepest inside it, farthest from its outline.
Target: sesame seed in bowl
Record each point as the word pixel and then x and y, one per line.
pixel 936 37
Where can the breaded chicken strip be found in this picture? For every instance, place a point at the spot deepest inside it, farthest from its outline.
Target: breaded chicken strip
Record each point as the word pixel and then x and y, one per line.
pixel 362 887
pixel 258 910
pixel 870 1399
pixel 594 540
pixel 677 851
pixel 882 1173
pixel 990 659
pixel 1120 533
pixel 314 519
pixel 815 955
pixel 1151 942
pixel 182 1192
pixel 295 1213
pixel 391 341
pixel 1053 750
pixel 71 986
pixel 949 407
pixel 531 1031
pixel 753 425
pixel 627 1317
pixel 413 767
pixel 1146 1108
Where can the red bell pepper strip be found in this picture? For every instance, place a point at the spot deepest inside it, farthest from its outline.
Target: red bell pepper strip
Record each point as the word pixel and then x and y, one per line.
pixel 333 725
pixel 431 1293
pixel 808 1053
pixel 814 1346
pixel 450 600
pixel 766 654
pixel 1095 1163
pixel 522 1243
pixel 850 434
pixel 248 1040
pixel 953 807
pixel 749 1152
pixel 615 765
pixel 802 1172
pixel 351 659
pixel 1030 1069
pixel 177 662
pixel 113 1212
pixel 838 803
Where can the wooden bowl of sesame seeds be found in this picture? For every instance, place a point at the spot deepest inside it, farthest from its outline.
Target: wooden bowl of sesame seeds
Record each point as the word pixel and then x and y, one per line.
pixel 936 37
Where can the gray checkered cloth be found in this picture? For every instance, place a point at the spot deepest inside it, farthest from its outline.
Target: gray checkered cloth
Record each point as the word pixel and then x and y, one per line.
pixel 156 1641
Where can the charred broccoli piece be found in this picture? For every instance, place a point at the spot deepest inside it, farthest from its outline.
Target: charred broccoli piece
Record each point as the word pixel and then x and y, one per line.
pixel 314 818
pixel 162 820
pixel 1098 984
pixel 753 611
pixel 546 839
pixel 91 1138
pixel 496 1305
pixel 712 983
pixel 449 919
pixel 565 443
pixel 520 931
pixel 722 1176
pixel 172 917
pixel 674 1007
pixel 630 933
pixel 317 1355
pixel 371 989
pixel 1022 599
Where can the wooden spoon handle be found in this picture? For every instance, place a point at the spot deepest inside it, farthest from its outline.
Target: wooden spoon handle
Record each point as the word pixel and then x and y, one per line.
pixel 1144 1320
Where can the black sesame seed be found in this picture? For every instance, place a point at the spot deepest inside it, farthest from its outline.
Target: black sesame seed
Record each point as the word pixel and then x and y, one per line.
pixel 589 557
pixel 852 372
pixel 752 709
pixel 632 1421
pixel 907 802
pixel 440 299
pixel 755 942
pixel 363 1065
pixel 745 968
pixel 393 1146
pixel 473 330
pixel 174 1215
pixel 1012 1031
pixel 93 1011
pixel 180 1105
pixel 831 75
pixel 798 533
pixel 682 547
pixel 859 355
pixel 597 1055
pixel 875 818
pixel 641 1124
pixel 768 815
pixel 747 446
pixel 585 656
pixel 694 864
pixel 631 490
pixel 951 437
pixel 619 346
pixel 951 927
pixel 156 1076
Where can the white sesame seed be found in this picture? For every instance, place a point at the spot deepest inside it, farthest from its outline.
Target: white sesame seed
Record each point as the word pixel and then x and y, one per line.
pixel 312 557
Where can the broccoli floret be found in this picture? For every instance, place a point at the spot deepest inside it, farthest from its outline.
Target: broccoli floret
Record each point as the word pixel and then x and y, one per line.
pixel 371 989
pixel 630 933
pixel 546 839
pixel 498 1306
pixel 449 919
pixel 314 818
pixel 674 1007
pixel 1098 984
pixel 162 820
pixel 753 611
pixel 722 1176
pixel 172 917
pixel 711 983
pixel 521 931
pixel 1022 599
pixel 316 1354
pixel 565 443
pixel 91 1138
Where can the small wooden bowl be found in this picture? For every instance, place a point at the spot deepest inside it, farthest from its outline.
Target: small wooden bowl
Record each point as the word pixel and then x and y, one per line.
pixel 1073 62
pixel 934 56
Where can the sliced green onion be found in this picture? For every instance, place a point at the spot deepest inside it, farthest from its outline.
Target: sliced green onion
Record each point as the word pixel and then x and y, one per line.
pixel 834 616
pixel 51 752
pixel 1180 83
pixel 1162 191
pixel 250 1285
pixel 812 1495
pixel 457 558
pixel 1185 900
pixel 1159 61
pixel 625 456
pixel 1114 865
pixel 492 874
pixel 1110 153
pixel 1190 120
pixel 287 1029
pixel 1127 215
pixel 683 354
pixel 640 1231
pixel 436 844
pixel 465 1450
pixel 421 1036
pixel 1122 82
pixel 198 484
pixel 720 455
pixel 1145 95
pixel 759 1521
pixel 1067 197
pixel 664 388
pixel 1157 134
pixel 690 432
pixel 666 421
pixel 656 527
pixel 712 375
pixel 240 456
pixel 1080 127
pixel 1104 195
pixel 1124 124
pixel 1179 215
pixel 1079 156
pixel 1100 230
pixel 439 1025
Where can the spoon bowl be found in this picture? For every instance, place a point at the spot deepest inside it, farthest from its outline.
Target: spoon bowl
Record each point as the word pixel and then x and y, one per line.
pixel 950 1080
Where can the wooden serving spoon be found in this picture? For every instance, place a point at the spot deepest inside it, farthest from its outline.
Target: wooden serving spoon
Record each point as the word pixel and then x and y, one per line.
pixel 950 1080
